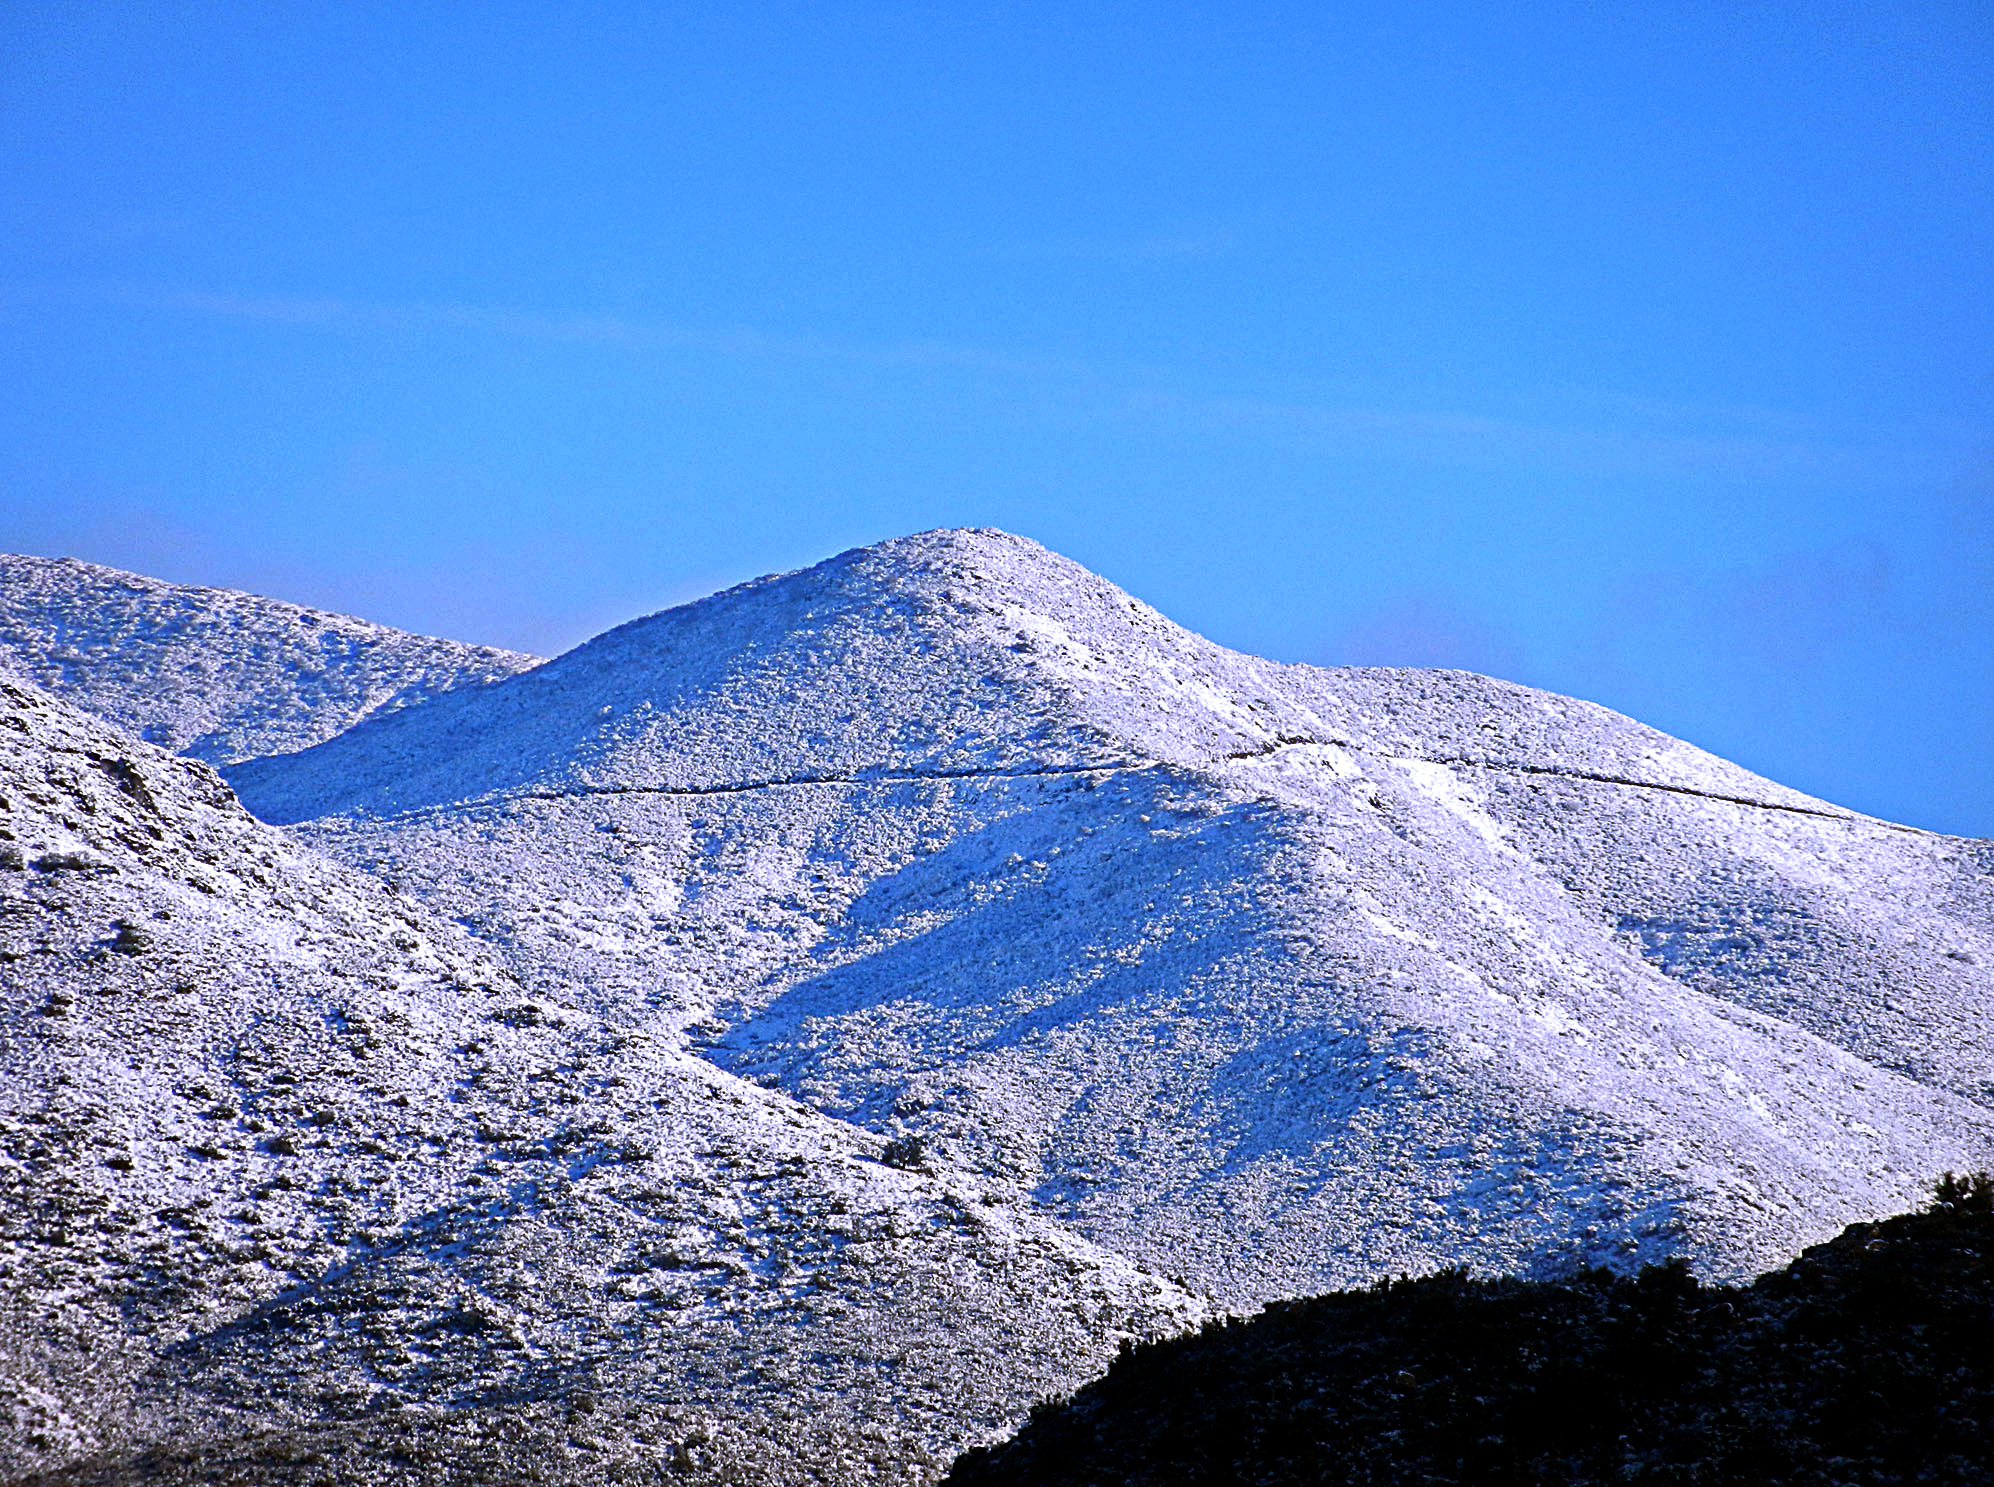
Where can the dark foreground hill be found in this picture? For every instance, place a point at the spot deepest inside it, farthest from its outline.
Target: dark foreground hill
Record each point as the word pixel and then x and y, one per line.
pixel 1865 1361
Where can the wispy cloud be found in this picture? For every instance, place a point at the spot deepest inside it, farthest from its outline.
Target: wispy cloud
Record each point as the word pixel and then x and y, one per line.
pixel 600 330
pixel 1572 428
pixel 1599 446
pixel 590 329
pixel 585 329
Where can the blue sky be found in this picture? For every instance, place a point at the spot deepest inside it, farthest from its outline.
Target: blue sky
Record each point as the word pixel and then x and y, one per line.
pixel 1643 353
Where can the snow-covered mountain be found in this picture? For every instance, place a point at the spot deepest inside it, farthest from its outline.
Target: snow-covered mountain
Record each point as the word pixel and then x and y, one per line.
pixel 213 673
pixel 1274 978
pixel 293 1172
pixel 1166 977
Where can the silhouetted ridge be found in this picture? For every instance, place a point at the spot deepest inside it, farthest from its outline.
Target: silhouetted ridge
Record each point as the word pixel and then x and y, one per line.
pixel 1864 1361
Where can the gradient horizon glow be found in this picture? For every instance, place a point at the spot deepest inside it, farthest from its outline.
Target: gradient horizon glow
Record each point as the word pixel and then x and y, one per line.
pixel 1641 353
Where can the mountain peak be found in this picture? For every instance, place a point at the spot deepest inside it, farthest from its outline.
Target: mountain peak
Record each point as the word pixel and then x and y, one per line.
pixel 954 652
pixel 947 651
pixel 964 571
pixel 967 552
pixel 974 567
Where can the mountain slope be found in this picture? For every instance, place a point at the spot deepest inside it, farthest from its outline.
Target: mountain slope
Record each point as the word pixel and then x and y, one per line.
pixel 297 1185
pixel 220 675
pixel 1272 977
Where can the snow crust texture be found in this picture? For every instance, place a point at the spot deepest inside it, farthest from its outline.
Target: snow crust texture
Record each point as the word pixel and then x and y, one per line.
pixel 832 1014
pixel 220 675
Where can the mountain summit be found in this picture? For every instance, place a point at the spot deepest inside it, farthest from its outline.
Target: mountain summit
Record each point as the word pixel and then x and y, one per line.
pixel 946 653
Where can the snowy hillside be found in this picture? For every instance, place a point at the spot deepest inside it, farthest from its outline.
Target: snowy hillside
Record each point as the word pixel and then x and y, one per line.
pixel 294 1173
pixel 1273 978
pixel 788 1035
pixel 216 674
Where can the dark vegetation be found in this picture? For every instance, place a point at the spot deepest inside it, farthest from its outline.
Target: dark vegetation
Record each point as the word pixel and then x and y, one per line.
pixel 1869 1360
pixel 909 1152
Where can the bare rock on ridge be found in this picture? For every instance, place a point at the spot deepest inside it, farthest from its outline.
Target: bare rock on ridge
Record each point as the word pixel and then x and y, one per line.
pixel 220 675
pixel 1272 977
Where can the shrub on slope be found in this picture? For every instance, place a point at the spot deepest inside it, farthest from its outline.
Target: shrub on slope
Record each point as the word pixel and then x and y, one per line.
pixel 1864 1361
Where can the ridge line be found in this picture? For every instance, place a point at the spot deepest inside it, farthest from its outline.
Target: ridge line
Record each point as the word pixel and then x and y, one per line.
pixel 901 777
pixel 1563 772
pixel 1610 779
